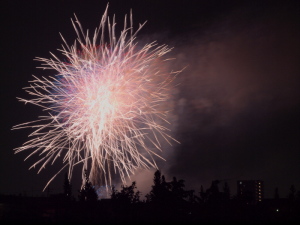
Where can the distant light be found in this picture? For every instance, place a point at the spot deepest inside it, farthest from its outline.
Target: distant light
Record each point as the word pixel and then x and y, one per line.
pixel 277 210
pixel 241 182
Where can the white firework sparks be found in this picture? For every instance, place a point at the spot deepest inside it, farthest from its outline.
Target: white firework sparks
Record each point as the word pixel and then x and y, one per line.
pixel 103 106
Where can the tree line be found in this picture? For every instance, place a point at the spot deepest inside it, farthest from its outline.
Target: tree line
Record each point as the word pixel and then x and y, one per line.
pixel 167 202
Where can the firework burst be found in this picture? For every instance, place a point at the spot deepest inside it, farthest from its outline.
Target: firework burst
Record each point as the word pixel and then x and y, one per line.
pixel 105 105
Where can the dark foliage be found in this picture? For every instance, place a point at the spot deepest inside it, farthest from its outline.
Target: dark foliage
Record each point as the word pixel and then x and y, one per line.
pixel 67 188
pixel 163 191
pixel 126 196
pixel 87 192
pixel 167 203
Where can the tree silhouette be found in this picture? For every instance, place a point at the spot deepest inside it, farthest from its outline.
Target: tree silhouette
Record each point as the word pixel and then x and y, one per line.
pixel 67 187
pixel 177 189
pixel 213 193
pixel 192 198
pixel 163 191
pixel 226 191
pixel 159 189
pixel 203 195
pixel 292 194
pixel 87 192
pixel 127 195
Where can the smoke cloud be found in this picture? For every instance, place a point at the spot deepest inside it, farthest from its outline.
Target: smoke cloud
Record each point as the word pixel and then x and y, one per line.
pixel 237 103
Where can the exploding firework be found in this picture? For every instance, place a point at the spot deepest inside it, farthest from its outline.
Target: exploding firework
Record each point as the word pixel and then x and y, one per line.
pixel 105 105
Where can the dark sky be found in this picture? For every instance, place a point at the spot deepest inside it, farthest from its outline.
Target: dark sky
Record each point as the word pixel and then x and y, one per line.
pixel 236 110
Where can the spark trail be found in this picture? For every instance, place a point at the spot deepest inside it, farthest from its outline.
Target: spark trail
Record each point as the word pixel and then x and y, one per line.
pixel 105 105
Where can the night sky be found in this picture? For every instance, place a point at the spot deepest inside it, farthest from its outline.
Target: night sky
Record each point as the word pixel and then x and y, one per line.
pixel 236 106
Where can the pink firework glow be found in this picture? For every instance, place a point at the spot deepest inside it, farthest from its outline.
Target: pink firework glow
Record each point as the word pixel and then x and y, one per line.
pixel 106 106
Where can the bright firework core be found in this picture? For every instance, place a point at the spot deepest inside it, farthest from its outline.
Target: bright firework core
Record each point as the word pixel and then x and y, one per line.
pixel 106 105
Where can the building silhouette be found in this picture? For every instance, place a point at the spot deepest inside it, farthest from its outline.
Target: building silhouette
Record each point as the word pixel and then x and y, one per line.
pixel 250 191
